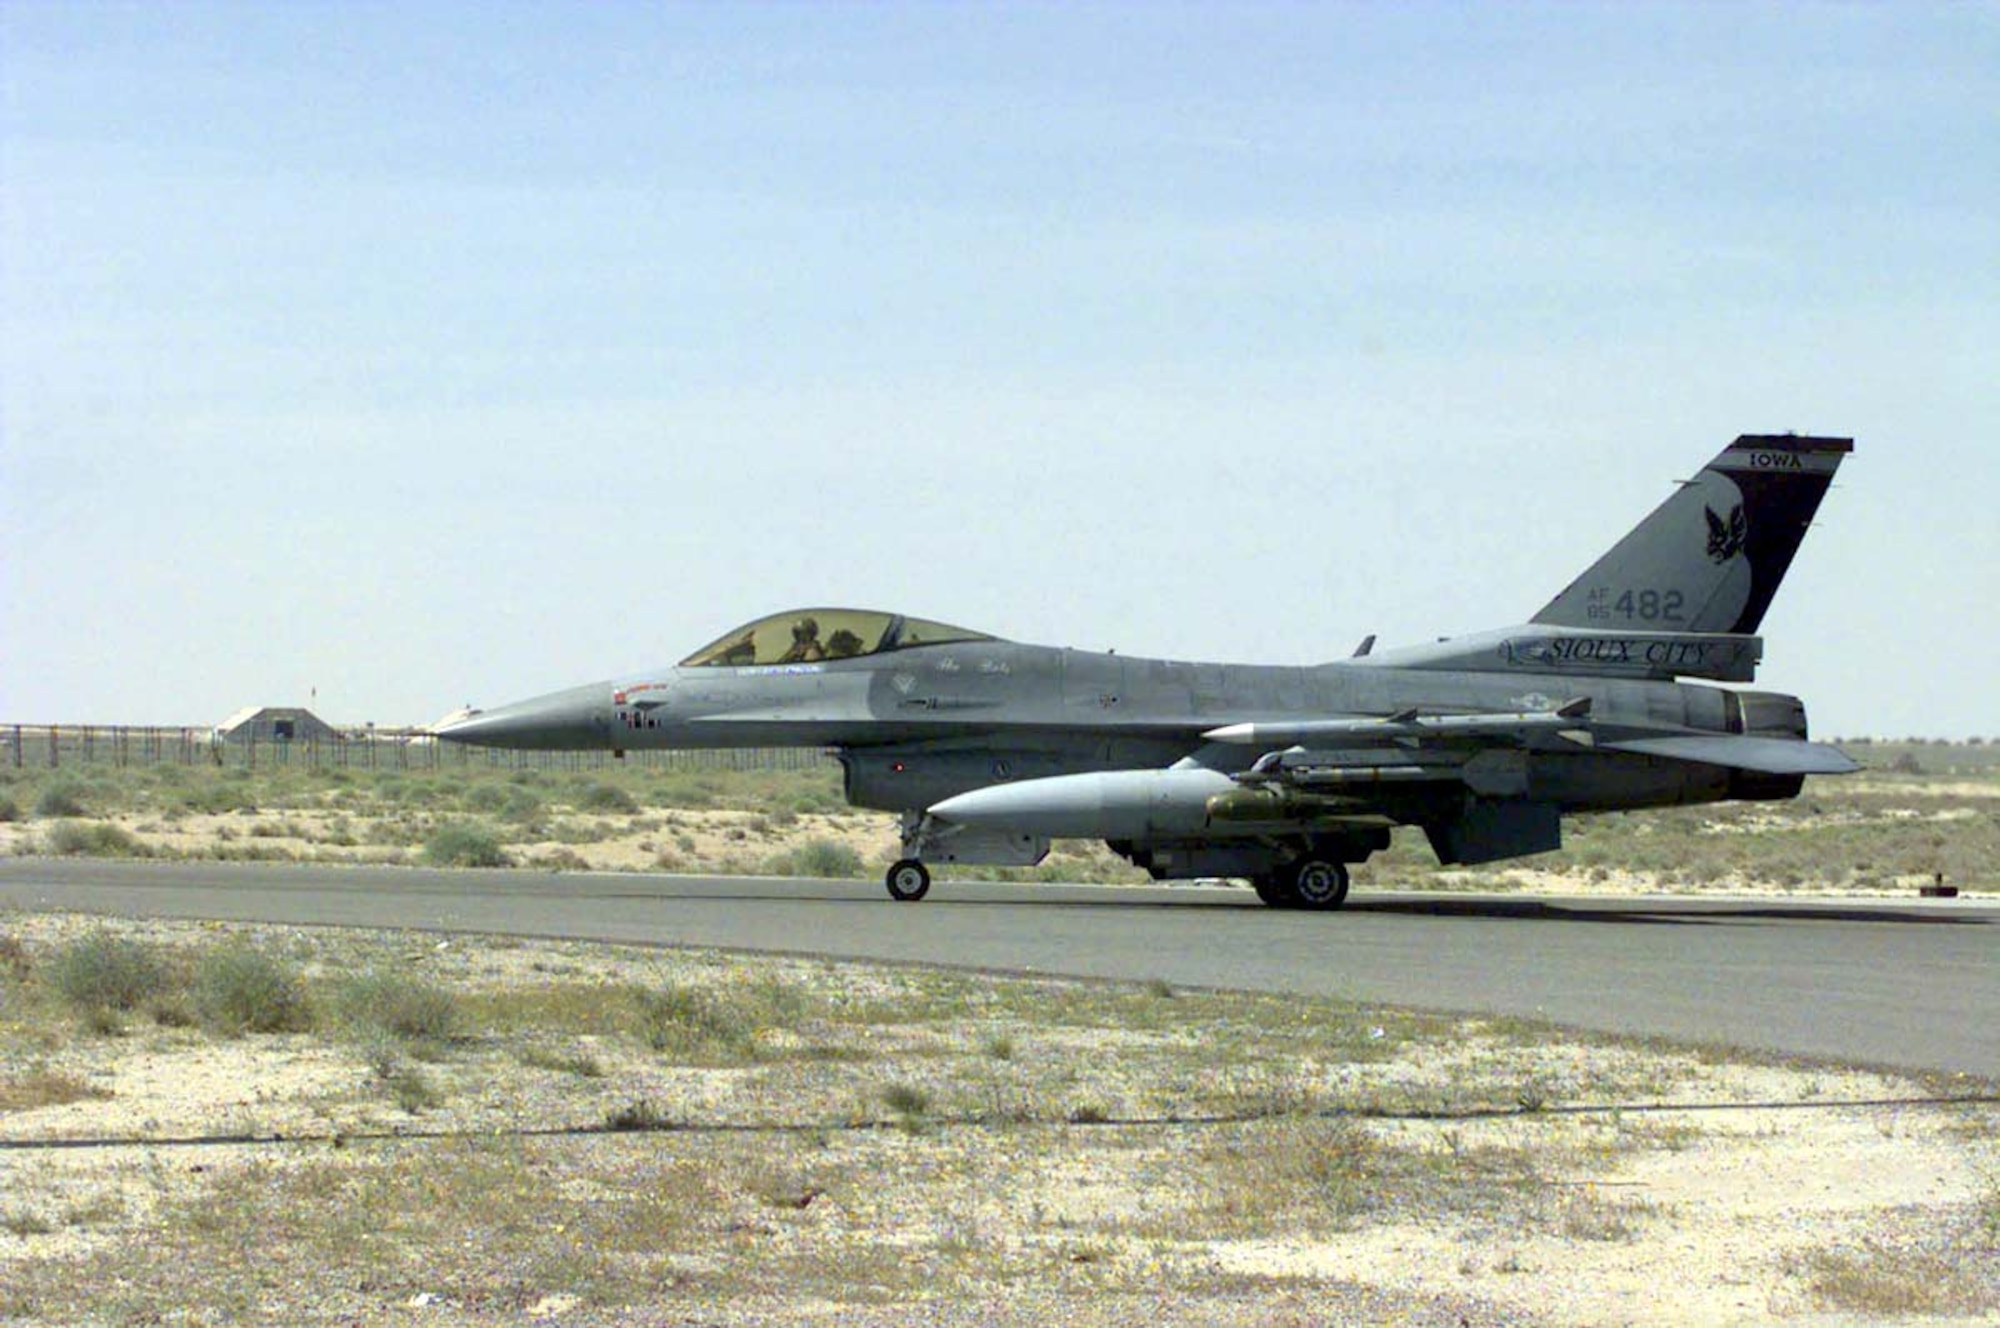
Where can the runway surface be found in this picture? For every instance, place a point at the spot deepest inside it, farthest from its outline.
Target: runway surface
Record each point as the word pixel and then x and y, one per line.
pixel 1910 984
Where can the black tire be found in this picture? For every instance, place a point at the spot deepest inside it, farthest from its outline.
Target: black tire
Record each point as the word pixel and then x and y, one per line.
pixel 1273 891
pixel 1318 884
pixel 909 880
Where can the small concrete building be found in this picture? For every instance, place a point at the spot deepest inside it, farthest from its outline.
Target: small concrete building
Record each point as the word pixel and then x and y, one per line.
pixel 267 724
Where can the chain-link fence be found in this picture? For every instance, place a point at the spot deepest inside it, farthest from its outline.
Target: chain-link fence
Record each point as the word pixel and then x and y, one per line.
pixel 51 746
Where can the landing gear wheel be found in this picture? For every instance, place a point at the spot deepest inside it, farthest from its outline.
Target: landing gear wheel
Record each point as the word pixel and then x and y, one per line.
pixel 908 880
pixel 1273 891
pixel 1319 884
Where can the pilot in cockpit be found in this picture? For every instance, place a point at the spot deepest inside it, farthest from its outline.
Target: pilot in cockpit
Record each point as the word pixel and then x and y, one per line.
pixel 743 650
pixel 805 643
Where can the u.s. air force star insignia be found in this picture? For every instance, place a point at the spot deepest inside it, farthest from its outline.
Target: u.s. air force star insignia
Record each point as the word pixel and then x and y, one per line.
pixel 1725 538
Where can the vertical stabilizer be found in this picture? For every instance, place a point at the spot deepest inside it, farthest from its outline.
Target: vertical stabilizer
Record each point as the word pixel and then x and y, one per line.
pixel 1710 558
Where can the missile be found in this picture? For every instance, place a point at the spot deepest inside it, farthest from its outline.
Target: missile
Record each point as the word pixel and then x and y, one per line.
pixel 1407 724
pixel 1307 774
pixel 1109 804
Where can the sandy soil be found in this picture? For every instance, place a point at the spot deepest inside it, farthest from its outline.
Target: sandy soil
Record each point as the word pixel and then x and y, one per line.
pixel 695 840
pixel 1762 1188
pixel 749 843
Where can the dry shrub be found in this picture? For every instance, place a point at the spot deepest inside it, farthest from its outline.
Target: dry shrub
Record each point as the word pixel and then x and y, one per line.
pixel 241 990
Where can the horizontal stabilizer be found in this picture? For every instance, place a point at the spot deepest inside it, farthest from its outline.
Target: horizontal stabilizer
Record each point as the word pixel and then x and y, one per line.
pixel 1771 756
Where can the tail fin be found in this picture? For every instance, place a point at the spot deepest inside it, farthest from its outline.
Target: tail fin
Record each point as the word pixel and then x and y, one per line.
pixel 1710 558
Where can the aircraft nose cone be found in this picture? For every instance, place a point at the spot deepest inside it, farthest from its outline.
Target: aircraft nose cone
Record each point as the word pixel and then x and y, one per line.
pixel 576 717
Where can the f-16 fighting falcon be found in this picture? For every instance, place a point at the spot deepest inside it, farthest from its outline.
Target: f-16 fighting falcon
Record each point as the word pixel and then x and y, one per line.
pixel 988 749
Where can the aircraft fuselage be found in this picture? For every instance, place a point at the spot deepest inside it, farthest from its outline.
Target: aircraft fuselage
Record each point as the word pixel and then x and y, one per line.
pixel 928 723
pixel 988 749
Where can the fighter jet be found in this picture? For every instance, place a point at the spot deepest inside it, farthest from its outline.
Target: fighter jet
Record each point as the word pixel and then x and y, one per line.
pixel 988 749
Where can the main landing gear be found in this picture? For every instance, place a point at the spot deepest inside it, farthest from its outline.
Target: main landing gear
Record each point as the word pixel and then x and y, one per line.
pixel 908 880
pixel 1308 883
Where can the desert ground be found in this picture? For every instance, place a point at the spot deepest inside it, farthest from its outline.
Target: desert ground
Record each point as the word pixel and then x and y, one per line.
pixel 222 1124
pixel 1919 813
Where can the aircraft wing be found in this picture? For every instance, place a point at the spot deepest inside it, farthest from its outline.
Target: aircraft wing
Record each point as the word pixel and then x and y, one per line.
pixel 1571 722
pixel 1771 756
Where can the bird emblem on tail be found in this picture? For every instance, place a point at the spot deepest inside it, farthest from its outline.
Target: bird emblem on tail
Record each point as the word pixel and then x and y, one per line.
pixel 1726 538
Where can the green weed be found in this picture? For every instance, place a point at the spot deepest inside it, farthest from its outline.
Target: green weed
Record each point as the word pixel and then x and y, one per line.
pixel 694 1023
pixel 460 844
pixel 241 990
pixel 63 799
pixel 92 839
pixel 412 1089
pixel 1881 1279
pixel 911 1103
pixel 607 798
pixel 103 972
pixel 639 1115
pixel 579 1063
pixel 43 1087
pixel 405 1008
pixel 828 859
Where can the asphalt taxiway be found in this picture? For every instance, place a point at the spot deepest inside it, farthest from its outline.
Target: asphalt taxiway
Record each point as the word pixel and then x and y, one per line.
pixel 1913 984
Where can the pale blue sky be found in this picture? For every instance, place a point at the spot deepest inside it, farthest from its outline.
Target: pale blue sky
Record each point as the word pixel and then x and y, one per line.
pixel 442 353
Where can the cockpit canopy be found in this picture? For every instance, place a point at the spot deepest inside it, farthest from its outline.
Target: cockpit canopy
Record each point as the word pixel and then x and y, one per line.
pixel 806 636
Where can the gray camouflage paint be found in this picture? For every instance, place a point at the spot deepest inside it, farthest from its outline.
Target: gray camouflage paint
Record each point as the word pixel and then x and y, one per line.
pixel 1638 637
